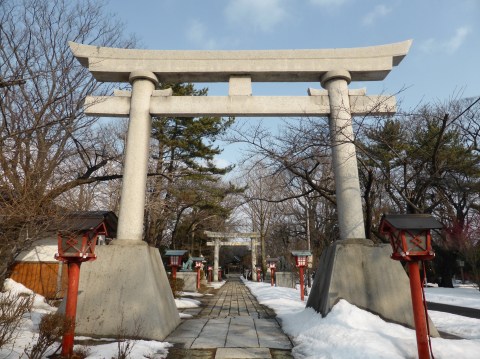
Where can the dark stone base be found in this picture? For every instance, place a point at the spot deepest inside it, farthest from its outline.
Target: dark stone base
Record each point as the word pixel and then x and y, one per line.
pixel 363 274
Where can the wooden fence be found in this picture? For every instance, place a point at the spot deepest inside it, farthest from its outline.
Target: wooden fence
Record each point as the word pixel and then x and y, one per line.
pixel 45 278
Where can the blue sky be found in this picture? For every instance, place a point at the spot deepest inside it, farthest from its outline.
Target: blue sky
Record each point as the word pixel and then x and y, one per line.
pixel 443 61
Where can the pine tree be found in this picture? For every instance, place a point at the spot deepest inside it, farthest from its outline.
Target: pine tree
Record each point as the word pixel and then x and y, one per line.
pixel 184 150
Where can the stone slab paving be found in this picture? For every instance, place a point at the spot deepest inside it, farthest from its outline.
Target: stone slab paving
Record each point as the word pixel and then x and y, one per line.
pixel 230 324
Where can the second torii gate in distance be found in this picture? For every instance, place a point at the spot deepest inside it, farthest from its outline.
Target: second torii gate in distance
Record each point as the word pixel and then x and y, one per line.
pixel 217 236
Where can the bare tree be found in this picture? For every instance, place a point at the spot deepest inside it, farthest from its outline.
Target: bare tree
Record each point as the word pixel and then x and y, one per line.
pixel 48 145
pixel 422 161
pixel 260 194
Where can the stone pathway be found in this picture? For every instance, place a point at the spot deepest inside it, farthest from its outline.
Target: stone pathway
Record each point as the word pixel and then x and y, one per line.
pixel 230 324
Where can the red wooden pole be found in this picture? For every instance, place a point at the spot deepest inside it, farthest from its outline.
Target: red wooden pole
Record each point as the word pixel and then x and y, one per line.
pixel 210 275
pixel 418 311
pixel 198 278
pixel 174 273
pixel 272 276
pixel 71 308
pixel 302 296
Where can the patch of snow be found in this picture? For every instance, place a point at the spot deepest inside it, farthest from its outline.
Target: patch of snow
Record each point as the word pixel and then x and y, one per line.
pixel 216 285
pixel 460 296
pixel 190 294
pixel 464 327
pixel 183 303
pixel 140 349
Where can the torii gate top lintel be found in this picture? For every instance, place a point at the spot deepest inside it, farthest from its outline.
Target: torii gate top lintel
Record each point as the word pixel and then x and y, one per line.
pixel 232 235
pixel 372 63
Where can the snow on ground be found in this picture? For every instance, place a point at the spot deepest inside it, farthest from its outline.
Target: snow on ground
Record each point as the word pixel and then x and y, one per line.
pixel 463 327
pixel 462 296
pixel 216 285
pixel 183 303
pixel 28 333
pixel 190 294
pixel 29 329
pixel 349 332
pixel 140 349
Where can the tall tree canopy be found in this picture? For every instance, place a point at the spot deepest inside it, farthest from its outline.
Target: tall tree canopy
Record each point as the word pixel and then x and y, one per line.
pixel 47 144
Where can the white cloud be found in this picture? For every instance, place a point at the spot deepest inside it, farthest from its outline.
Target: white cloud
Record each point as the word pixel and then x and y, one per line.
pixel 428 45
pixel 457 40
pixel 377 12
pixel 450 45
pixel 328 3
pixel 197 34
pixel 261 14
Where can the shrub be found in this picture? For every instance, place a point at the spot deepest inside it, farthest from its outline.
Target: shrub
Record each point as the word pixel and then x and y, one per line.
pixel 12 309
pixel 51 328
pixel 176 286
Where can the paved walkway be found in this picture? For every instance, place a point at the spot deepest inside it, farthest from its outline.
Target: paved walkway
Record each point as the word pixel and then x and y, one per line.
pixel 466 312
pixel 230 324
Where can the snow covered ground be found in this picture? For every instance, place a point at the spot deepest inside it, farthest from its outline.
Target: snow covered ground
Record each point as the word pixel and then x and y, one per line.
pixel 462 296
pixel 347 332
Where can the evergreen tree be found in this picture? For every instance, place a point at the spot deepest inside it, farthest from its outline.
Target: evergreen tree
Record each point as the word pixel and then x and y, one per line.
pixel 184 151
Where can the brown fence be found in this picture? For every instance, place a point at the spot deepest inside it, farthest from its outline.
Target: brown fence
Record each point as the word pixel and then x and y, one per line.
pixel 47 279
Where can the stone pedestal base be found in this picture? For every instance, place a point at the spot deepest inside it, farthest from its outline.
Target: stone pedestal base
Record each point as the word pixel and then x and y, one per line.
pixel 189 280
pixel 364 275
pixel 285 279
pixel 125 292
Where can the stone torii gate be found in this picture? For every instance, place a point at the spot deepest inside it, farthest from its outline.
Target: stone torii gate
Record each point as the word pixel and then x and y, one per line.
pixel 144 69
pixel 217 243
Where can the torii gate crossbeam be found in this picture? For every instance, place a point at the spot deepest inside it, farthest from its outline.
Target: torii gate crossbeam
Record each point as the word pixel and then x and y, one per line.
pixel 217 243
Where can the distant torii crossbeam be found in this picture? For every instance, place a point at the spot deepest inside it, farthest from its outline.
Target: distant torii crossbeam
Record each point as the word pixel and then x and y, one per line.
pixel 217 243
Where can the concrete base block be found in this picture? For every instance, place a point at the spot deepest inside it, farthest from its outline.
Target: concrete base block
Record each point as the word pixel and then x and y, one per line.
pixel 363 274
pixel 285 279
pixel 125 292
pixel 189 281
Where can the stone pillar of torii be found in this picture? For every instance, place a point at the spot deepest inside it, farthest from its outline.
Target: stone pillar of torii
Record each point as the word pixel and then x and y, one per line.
pixel 217 243
pixel 334 69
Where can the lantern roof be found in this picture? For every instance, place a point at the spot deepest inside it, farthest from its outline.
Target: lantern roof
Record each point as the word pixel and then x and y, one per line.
pixel 88 220
pixel 272 259
pixel 411 221
pixel 301 253
pixel 198 259
pixel 175 252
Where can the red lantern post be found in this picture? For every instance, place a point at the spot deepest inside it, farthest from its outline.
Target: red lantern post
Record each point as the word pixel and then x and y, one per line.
pixel 198 265
pixel 411 241
pixel 73 251
pixel 301 262
pixel 210 273
pixel 175 257
pixel 272 264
